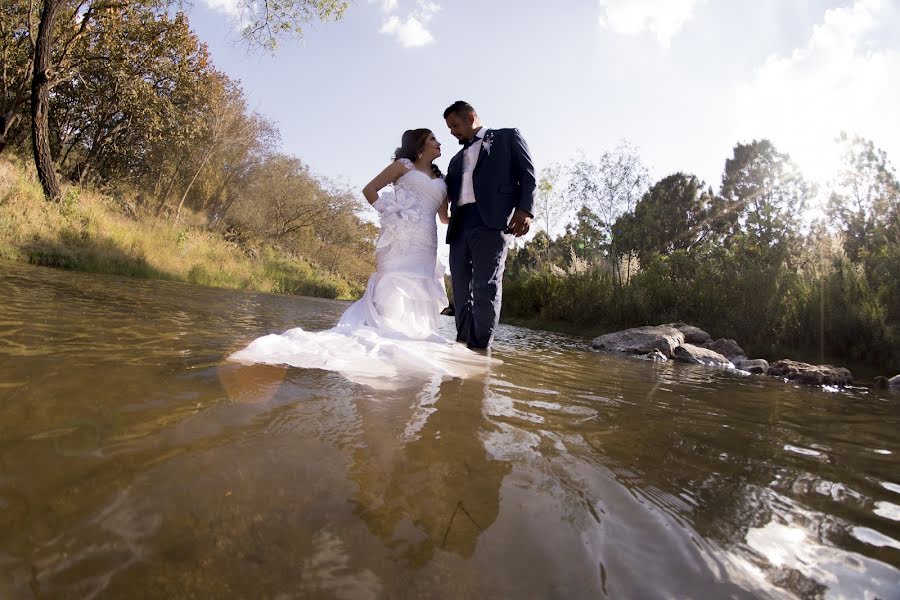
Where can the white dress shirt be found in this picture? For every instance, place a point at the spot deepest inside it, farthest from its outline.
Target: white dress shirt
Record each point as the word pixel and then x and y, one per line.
pixel 470 159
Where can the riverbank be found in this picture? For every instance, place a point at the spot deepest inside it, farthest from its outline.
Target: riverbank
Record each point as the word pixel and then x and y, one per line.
pixel 108 233
pixel 864 373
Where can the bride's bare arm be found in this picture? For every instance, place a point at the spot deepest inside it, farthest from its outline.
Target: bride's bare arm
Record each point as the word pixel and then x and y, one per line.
pixel 443 211
pixel 390 174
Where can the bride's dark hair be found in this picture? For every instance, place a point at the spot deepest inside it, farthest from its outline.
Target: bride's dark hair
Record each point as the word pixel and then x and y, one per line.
pixel 411 145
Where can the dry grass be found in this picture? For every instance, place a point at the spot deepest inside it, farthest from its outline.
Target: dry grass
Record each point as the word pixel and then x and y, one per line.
pixel 91 231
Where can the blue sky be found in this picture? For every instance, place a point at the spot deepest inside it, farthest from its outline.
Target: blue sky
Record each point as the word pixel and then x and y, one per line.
pixel 683 80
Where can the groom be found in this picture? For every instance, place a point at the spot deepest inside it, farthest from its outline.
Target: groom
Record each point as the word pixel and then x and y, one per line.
pixel 491 186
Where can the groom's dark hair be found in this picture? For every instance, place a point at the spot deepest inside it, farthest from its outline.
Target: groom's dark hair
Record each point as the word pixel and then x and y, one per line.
pixel 460 107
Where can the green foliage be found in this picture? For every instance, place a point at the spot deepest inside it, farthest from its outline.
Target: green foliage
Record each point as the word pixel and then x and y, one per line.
pixel 855 319
pixel 181 239
pixel 883 275
pixel 68 207
pixel 587 237
pixel 140 86
pixel 266 23
pixel 17 51
pixel 92 234
pixel 865 199
pixel 299 277
pixel 138 105
pixel 556 296
pixel 609 185
pixel 764 196
pixel 737 264
pixel 675 214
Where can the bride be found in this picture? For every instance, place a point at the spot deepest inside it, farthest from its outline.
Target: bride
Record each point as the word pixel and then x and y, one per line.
pixel 392 330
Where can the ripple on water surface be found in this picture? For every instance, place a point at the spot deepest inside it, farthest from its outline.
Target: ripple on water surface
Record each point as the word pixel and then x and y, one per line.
pixel 134 458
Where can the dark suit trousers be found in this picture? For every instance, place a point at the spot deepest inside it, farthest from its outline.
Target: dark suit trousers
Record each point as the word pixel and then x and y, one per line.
pixel 477 260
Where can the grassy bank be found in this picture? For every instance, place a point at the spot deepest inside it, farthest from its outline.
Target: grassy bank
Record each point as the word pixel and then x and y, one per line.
pixel 783 322
pixel 104 233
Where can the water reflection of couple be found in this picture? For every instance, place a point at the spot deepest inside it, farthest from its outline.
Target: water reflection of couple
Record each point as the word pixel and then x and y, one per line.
pixel 486 200
pixel 425 481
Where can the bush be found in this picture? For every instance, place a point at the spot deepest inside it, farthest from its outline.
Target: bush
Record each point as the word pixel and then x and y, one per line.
pixel 771 308
pixel 89 231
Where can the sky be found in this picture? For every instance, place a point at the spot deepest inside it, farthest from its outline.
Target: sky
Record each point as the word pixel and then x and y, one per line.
pixel 682 80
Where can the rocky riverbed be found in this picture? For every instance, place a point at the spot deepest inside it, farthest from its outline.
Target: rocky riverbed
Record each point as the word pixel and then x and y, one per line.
pixel 689 344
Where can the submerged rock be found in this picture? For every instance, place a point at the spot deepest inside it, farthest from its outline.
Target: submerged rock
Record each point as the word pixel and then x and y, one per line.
pixel 727 348
pixel 690 353
pixel 811 374
pixel 759 366
pixel 655 356
pixel 690 344
pixel 641 340
pixel 692 335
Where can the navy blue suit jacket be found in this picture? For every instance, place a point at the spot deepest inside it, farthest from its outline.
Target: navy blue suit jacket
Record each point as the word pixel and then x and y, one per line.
pixel 503 179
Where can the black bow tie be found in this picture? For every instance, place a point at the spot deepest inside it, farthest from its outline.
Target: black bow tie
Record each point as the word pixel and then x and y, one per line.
pixel 466 143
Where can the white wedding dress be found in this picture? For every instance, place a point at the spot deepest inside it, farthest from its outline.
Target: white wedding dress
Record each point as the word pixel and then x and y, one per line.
pixel 392 330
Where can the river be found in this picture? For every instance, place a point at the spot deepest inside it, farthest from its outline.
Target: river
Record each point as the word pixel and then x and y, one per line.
pixel 136 462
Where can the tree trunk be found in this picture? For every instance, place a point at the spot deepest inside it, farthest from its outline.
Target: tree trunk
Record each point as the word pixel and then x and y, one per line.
pixel 83 173
pixel 71 146
pixel 40 102
pixel 11 112
pixel 217 205
pixel 158 187
pixel 6 124
pixel 164 199
pixel 191 184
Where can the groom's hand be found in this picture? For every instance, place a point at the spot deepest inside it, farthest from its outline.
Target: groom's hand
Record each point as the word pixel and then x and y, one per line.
pixel 519 224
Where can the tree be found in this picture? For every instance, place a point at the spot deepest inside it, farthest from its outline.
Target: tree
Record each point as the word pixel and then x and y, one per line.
pixel 40 101
pixel 237 162
pixel 865 203
pixel 17 30
pixel 764 198
pixel 52 64
pixel 865 198
pixel 286 199
pixel 343 242
pixel 226 127
pixel 551 204
pixel 586 237
pixel 673 215
pixel 134 65
pixel 266 23
pixel 609 186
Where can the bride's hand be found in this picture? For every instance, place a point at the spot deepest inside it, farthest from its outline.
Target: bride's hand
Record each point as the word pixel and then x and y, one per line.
pixel 390 174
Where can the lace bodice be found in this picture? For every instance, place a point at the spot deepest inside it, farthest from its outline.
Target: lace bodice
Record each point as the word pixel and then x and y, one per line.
pixel 407 213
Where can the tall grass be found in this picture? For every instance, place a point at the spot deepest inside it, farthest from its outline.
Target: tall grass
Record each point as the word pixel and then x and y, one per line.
pixel 832 313
pixel 96 232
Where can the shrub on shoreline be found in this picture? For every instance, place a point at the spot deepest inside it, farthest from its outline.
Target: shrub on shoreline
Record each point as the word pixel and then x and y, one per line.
pixel 90 231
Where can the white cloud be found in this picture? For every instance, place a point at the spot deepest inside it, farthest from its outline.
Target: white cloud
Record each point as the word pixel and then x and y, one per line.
pixel 663 18
pixel 844 78
pixel 411 31
pixel 387 6
pixel 229 7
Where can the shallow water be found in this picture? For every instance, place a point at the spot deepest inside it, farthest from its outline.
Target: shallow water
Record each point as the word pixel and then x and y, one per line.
pixel 136 462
